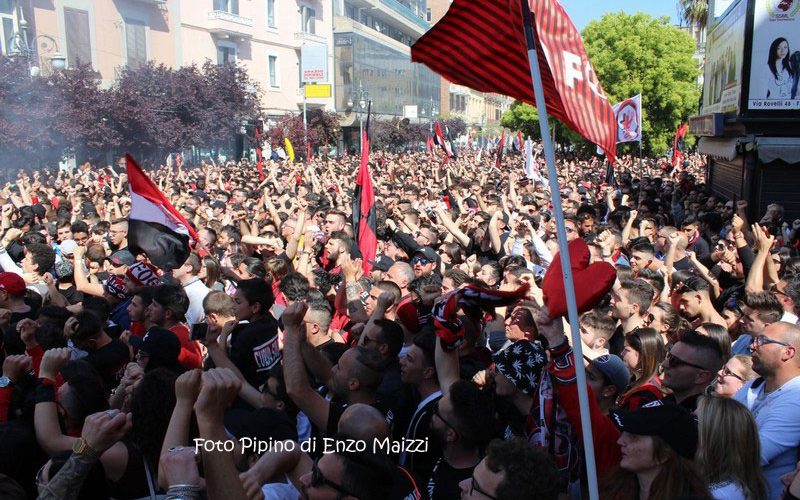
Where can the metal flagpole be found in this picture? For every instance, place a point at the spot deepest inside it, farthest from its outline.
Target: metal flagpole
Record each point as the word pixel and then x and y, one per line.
pixel 640 155
pixel 569 287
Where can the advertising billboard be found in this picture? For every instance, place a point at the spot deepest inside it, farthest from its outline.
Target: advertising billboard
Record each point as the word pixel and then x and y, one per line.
pixel 775 59
pixel 723 67
pixel 314 60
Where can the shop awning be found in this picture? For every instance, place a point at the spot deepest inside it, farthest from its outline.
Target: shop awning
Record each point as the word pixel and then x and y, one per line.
pixel 778 148
pixel 724 148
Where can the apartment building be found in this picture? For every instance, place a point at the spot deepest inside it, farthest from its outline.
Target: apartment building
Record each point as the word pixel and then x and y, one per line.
pixel 265 36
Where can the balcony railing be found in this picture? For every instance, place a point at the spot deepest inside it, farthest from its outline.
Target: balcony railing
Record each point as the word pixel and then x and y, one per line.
pixel 302 36
pixel 407 13
pixel 223 22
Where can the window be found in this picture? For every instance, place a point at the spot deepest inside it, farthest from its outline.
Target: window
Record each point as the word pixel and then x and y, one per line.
pixel 79 45
pixel 273 71
pixel 308 16
pixel 226 54
pixel 6 25
pixel 136 43
pixel 229 6
pixel 271 14
pixel 428 16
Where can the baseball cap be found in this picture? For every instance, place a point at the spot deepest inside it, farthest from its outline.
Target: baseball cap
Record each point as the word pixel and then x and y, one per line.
pixel 429 253
pixel 676 425
pixel 160 344
pixel 382 263
pixel 614 370
pixel 13 284
pixel 122 258
pixel 67 247
pixel 64 269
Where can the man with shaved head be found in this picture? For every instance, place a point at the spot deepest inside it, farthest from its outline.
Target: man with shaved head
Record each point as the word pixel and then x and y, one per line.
pixel 774 399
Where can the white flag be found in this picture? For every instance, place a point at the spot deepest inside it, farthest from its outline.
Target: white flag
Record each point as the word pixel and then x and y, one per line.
pixel 529 159
pixel 628 115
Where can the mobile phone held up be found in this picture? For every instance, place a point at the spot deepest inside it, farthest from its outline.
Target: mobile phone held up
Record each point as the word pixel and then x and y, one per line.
pixel 199 331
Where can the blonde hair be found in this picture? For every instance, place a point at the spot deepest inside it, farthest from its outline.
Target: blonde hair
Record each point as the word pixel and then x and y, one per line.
pixel 729 449
pixel 747 361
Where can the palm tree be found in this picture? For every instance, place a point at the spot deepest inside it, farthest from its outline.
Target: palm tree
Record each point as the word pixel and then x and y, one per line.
pixel 694 11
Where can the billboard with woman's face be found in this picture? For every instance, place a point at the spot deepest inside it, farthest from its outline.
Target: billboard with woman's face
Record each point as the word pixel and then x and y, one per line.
pixel 775 61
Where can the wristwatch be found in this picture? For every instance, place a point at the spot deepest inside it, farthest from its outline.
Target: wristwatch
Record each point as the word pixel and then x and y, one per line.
pixel 82 448
pixel 4 381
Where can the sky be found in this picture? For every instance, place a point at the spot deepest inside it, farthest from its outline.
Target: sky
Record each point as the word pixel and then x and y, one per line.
pixel 582 12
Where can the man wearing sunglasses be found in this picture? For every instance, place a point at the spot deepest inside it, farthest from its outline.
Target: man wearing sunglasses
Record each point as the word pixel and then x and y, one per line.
pixel 424 261
pixel 774 399
pixel 691 366
pixel 500 476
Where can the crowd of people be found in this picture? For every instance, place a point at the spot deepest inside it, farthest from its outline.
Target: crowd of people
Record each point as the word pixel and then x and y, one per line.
pixel 278 363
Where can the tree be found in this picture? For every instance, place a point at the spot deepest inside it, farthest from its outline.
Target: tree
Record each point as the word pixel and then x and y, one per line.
pixel 322 126
pixel 694 12
pixel 634 54
pixel 525 118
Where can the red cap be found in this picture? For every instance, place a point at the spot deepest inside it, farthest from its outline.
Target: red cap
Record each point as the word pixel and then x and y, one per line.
pixel 13 284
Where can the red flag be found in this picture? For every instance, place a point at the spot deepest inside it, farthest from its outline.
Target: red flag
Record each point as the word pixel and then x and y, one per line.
pixel 308 152
pixel 677 144
pixel 154 226
pixel 364 216
pixel 429 144
pixel 469 140
pixel 440 140
pixel 482 45
pixel 258 155
pixel 500 146
pixel 179 160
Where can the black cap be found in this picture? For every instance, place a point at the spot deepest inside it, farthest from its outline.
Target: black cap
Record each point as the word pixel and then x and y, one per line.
pixel 676 425
pixel 382 263
pixel 38 210
pixel 217 204
pixel 161 345
pixel 429 253
pixel 122 258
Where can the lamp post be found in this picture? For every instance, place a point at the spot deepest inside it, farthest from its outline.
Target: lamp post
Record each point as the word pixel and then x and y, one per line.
pixel 359 97
pixel 20 45
pixel 433 111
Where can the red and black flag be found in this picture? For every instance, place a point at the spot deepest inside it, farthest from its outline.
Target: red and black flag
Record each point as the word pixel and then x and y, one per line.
pixel 258 156
pixel 482 45
pixel 450 142
pixel 364 216
pixel 500 147
pixel 679 144
pixel 155 228
pixel 441 141
pixel 429 144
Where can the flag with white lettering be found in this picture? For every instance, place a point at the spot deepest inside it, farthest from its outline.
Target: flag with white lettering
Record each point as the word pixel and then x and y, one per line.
pixel 482 45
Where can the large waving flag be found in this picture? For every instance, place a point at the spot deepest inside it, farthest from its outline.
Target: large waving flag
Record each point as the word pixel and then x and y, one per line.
pixel 289 149
pixel 441 141
pixel 154 226
pixel 500 147
pixel 628 114
pixel 482 45
pixel 364 215
pixel 259 164
pixel 678 144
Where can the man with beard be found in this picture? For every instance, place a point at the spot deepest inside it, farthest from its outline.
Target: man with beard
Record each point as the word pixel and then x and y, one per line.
pixel 774 399
pixel 354 379
pixel 691 366
pixel 337 251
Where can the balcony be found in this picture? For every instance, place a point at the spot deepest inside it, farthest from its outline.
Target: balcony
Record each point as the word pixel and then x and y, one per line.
pixel 407 13
pixel 301 36
pixel 153 2
pixel 227 25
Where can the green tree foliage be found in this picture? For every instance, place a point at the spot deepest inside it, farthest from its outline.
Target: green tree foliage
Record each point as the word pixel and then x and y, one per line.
pixel 525 118
pixel 634 54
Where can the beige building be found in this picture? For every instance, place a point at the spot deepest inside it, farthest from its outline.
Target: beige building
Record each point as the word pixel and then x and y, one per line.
pixel 265 36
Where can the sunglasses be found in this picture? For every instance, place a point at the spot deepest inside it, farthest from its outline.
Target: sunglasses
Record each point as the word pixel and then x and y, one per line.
pixel 318 479
pixel 421 260
pixel 675 362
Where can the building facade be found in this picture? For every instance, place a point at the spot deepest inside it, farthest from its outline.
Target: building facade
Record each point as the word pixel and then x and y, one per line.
pixel 372 47
pixel 265 36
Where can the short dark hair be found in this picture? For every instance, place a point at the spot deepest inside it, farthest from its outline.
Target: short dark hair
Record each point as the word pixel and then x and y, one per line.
pixel 257 291
pixel 711 351
pixel 426 342
pixel 473 414
pixel 391 334
pixel 79 227
pixel 644 248
pixel 365 474
pixel 42 255
pixel 294 286
pixel 529 472
pixel 768 307
pixel 89 326
pixel 368 369
pixel 173 298
pixel 638 292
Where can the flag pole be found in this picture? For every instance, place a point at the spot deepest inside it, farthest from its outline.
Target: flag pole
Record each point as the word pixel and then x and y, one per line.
pixel 569 287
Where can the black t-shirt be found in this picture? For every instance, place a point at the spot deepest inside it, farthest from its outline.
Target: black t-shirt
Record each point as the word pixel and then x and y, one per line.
pixel 417 425
pixel 403 485
pixel 617 342
pixel 72 294
pixel 254 349
pixel 443 483
pixel 109 360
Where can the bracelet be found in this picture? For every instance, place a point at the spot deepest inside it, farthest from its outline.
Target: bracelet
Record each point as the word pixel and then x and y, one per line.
pixel 192 487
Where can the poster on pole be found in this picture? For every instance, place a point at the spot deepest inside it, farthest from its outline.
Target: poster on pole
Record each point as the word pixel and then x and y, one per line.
pixel 410 111
pixel 314 62
pixel 722 80
pixel 775 58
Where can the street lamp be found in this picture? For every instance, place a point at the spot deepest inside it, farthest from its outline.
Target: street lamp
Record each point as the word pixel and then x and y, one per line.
pixel 20 46
pixel 359 96
pixel 432 108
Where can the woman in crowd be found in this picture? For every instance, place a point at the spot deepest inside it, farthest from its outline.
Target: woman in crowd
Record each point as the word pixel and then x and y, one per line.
pixel 729 451
pixel 643 353
pixel 667 321
pixel 733 375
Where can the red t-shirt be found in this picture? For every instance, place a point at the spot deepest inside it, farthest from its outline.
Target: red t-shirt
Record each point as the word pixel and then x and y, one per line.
pixel 190 357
